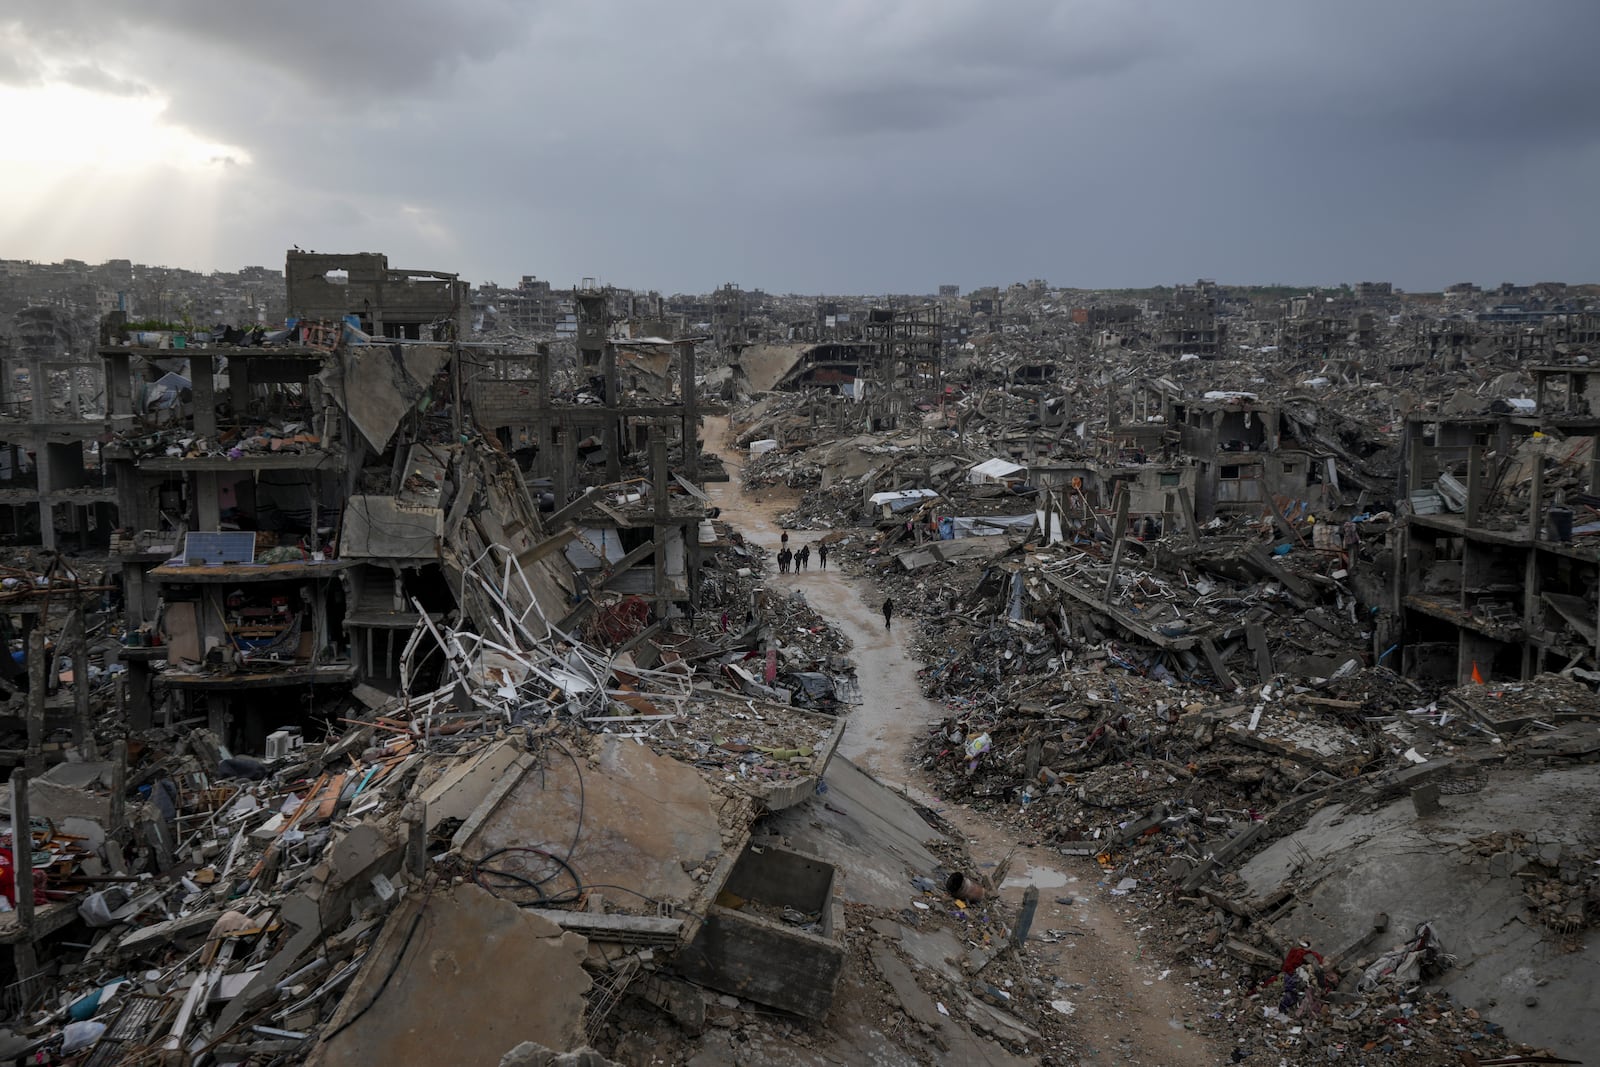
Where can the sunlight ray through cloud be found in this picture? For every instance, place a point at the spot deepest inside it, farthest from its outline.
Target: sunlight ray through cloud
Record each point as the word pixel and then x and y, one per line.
pixel 71 128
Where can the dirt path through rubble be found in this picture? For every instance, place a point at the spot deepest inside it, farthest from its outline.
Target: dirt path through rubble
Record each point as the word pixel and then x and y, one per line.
pixel 893 711
pixel 1128 1008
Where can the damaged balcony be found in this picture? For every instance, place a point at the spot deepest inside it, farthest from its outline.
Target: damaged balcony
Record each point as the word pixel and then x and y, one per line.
pixel 52 479
pixel 252 626
pixel 211 408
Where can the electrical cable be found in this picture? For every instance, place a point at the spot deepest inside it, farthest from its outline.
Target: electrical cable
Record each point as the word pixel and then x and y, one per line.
pixel 484 875
pixel 582 799
pixel 514 879
pixel 394 967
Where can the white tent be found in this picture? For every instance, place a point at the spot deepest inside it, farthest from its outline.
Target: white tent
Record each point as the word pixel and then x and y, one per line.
pixel 993 470
pixel 901 499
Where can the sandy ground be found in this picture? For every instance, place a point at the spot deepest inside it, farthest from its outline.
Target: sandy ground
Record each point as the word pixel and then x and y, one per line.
pixel 1127 1005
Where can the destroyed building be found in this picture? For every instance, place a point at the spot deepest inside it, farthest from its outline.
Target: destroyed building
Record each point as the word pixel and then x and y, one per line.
pixel 435 658
pixel 1381 607
pixel 1324 325
pixel 1499 580
pixel 1190 323
pixel 322 524
pixel 381 300
pixel 52 476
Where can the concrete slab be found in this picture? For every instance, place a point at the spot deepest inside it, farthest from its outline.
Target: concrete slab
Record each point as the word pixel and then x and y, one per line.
pixel 470 976
pixel 69 791
pixel 1415 869
pixel 95 774
pixel 377 386
pixel 875 836
pixel 957 1042
pixel 380 527
pixel 463 786
pixel 631 819
pixel 934 949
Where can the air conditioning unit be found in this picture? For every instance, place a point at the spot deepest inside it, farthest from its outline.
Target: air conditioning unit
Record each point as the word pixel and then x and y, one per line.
pixel 283 743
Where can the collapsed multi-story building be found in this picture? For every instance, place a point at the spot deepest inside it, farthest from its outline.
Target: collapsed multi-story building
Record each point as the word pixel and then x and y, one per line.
pixel 290 505
pixel 1490 582
pixel 1190 324
pixel 1229 452
pixel 56 490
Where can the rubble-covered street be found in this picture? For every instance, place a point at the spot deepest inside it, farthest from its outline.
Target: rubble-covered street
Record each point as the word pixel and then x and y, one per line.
pixel 539 533
pixel 1184 682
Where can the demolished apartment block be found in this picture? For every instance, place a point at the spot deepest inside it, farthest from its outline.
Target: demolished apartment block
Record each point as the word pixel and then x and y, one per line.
pixel 380 300
pixel 1501 565
pixel 616 455
pixel 51 411
pixel 370 693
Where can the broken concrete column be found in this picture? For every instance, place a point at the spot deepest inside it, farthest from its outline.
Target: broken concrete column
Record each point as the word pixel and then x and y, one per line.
pixel 82 726
pixel 1425 798
pixel 1030 905
pixel 36 699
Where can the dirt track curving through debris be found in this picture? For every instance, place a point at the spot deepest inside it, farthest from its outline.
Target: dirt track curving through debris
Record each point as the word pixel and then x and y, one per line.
pixel 1128 1008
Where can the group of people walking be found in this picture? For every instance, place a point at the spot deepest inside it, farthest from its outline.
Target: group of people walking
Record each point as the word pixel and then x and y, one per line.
pixel 789 560
pixel 798 561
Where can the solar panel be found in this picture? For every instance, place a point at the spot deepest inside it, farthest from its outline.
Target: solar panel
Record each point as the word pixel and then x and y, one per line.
pixel 218 547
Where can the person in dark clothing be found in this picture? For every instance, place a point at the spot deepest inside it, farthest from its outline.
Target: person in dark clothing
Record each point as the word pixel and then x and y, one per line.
pixel 784 540
pixel 803 557
pixel 784 557
pixel 822 555
pixel 888 613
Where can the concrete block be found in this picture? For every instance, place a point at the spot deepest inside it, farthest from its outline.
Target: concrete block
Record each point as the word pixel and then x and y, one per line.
pixel 1425 798
pixel 743 952
pixel 460 790
pixel 1506 864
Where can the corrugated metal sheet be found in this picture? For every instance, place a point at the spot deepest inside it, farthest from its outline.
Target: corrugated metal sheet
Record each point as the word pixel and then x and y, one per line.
pixel 1426 502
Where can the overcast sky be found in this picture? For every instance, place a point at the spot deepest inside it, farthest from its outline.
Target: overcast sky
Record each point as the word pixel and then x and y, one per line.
pixel 816 146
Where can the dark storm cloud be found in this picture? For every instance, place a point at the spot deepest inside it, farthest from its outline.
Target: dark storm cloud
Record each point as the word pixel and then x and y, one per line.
pixel 928 68
pixel 1473 72
pixel 361 49
pixel 839 145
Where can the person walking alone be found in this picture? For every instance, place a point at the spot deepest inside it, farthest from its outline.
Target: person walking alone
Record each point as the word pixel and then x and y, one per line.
pixel 888 612
pixel 822 555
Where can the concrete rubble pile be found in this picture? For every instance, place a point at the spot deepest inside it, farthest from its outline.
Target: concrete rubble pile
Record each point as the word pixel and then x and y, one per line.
pixel 266 909
pixel 1228 696
pixel 250 909
pixel 371 660
pixel 350 727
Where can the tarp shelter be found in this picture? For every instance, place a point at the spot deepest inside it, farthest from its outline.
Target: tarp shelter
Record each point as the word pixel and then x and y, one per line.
pixel 994 470
pixel 987 525
pixel 902 499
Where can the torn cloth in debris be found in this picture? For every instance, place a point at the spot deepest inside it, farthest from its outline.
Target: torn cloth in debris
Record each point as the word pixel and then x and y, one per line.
pixel 1409 963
